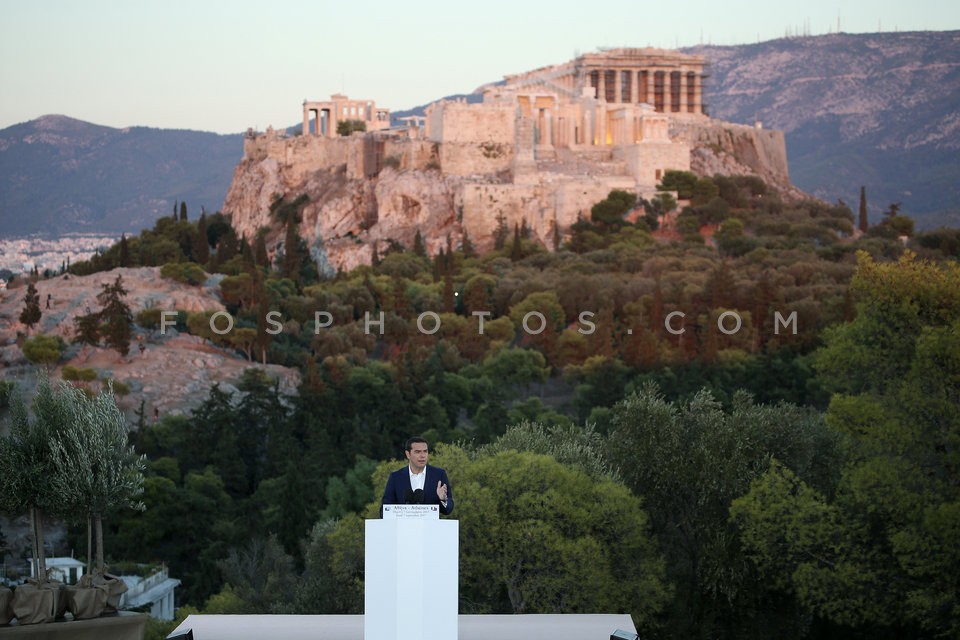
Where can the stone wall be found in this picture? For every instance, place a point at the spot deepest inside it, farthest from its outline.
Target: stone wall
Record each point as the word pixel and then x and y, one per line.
pixel 461 122
pixel 735 148
pixel 412 154
pixel 476 138
pixel 648 161
pixel 551 201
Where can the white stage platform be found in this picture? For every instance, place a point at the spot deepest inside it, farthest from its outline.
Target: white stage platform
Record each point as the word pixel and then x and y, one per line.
pixel 486 627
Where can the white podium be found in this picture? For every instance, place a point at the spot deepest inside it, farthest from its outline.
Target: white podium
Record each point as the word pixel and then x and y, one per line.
pixel 412 569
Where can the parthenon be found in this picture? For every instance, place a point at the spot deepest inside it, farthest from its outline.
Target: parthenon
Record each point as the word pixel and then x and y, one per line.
pixel 619 101
pixel 669 81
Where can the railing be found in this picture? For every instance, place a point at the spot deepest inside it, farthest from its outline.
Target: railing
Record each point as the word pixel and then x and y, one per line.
pixel 157 577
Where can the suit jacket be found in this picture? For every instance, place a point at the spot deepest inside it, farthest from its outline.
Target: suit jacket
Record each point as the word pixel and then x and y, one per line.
pixel 398 486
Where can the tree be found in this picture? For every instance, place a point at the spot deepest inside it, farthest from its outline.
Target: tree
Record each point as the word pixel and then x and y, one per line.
pixel 260 574
pixel 87 329
pixel 201 243
pixel 658 207
pixel 115 317
pixel 516 247
pixel 183 211
pixel 124 259
pixel 683 182
pixel 99 472
pixel 609 212
pixel 347 127
pixel 45 350
pixel 689 461
pixel 31 307
pixel 537 536
pixel 28 469
pixel 572 446
pixel 882 548
pixel 419 248
pixel 260 256
pixel 469 251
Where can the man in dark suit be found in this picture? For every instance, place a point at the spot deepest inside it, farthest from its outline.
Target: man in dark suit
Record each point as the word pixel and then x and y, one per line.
pixel 418 482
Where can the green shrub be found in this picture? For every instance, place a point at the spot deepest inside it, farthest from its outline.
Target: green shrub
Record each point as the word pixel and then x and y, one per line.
pixel 119 388
pixel 186 272
pixel 44 349
pixel 74 374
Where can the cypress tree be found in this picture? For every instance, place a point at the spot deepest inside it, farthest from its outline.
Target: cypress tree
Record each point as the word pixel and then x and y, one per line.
pixel 418 247
pixel 117 320
pixel 201 243
pixel 124 251
pixel 260 255
pixel 516 249
pixel 246 251
pixel 183 211
pixel 448 297
pixel 31 307
pixel 466 246
pixel 228 246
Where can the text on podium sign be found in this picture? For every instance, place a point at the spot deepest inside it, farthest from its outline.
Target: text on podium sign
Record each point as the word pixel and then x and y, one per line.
pixel 411 511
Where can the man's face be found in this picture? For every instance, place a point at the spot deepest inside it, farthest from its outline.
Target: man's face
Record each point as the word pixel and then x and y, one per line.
pixel 417 455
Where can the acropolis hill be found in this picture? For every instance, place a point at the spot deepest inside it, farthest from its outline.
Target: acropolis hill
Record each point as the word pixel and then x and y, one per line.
pixel 542 147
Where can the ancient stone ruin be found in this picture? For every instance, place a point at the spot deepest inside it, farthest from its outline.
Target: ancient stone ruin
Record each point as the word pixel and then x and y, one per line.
pixel 541 148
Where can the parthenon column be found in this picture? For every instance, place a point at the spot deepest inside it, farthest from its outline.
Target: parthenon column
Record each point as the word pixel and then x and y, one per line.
pixel 634 89
pixel 683 92
pixel 602 85
pixel 618 86
pixel 667 92
pixel 697 97
pixel 651 91
pixel 306 120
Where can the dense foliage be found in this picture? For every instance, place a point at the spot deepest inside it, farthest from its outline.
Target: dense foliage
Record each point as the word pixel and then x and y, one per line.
pixel 657 373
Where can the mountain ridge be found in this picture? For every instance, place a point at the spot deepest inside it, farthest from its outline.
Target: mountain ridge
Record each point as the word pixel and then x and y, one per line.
pixel 880 110
pixel 62 175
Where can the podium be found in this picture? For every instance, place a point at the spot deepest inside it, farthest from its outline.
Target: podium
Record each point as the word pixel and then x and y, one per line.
pixel 411 579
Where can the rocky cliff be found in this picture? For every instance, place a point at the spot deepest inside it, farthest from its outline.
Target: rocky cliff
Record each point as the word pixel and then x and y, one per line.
pixel 357 201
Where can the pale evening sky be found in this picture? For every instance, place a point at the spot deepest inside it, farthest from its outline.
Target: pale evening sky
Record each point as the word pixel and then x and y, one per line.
pixel 225 65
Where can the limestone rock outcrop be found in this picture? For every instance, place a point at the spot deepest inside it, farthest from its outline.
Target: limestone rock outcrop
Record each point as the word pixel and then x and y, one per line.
pixel 173 374
pixel 351 208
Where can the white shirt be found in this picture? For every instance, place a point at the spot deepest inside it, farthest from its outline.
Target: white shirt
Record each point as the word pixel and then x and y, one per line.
pixel 417 480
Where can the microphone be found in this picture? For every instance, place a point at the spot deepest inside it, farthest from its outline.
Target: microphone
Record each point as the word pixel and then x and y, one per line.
pixel 417 497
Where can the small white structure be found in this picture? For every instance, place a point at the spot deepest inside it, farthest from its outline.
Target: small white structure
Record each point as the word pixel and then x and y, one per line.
pixel 155 590
pixel 65 570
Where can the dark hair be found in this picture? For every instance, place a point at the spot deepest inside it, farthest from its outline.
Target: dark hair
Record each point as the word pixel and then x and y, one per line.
pixel 411 441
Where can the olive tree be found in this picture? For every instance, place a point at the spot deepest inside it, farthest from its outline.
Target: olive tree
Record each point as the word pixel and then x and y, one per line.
pixel 97 470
